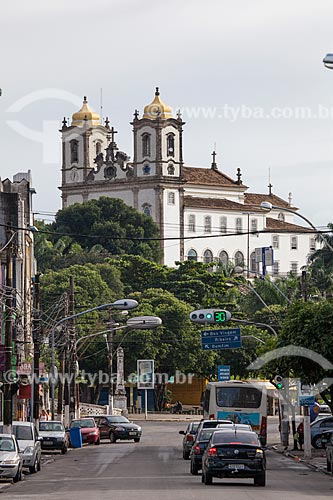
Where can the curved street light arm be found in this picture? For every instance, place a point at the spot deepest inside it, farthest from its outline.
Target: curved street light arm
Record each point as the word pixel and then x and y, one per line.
pixel 306 220
pixel 246 322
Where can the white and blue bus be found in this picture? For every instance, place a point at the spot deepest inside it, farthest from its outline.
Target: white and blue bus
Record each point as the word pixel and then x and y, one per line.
pixel 243 402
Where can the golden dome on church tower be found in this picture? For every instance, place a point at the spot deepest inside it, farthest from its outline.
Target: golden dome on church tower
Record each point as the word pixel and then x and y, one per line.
pixel 157 108
pixel 85 114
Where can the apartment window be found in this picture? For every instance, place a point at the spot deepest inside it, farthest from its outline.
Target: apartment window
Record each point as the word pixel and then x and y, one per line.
pixel 293 242
pixel 312 244
pixel 239 259
pixel 192 255
pixel 191 223
pixel 171 198
pixel 223 259
pixel 238 225
pixel 275 241
pixel 208 224
pixel 208 256
pixel 223 225
pixel 276 268
pixel 281 216
pixel 294 267
pixel 146 145
pixel 254 225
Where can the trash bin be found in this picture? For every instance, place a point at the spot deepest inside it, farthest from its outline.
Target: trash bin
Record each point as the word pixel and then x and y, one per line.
pixel 75 437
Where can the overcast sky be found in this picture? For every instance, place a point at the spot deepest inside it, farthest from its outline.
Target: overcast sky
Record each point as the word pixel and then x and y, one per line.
pixel 248 75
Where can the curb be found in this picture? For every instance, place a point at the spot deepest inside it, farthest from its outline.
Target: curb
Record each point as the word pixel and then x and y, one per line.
pixel 298 459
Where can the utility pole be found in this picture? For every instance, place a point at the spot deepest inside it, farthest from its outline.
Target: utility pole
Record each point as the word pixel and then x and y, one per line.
pixel 62 384
pixel 36 331
pixel 7 386
pixel 73 361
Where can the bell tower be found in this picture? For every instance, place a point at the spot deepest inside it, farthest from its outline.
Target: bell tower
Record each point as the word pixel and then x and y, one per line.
pixel 158 148
pixel 82 141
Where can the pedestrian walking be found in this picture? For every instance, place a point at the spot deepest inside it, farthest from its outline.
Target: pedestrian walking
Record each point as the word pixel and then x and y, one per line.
pixel 300 432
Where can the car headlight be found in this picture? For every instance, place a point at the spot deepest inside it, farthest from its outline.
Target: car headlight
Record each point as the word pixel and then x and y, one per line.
pixel 119 429
pixel 92 433
pixel 11 462
pixel 259 453
pixel 29 450
pixel 139 429
pixel 60 439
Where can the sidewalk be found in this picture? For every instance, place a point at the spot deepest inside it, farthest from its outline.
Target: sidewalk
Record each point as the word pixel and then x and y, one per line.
pixel 163 417
pixel 317 460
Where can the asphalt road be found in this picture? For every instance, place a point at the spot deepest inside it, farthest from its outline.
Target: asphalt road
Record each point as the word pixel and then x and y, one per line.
pixel 154 470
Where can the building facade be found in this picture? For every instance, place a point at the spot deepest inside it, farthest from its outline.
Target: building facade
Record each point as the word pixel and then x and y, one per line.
pixel 203 214
pixel 17 251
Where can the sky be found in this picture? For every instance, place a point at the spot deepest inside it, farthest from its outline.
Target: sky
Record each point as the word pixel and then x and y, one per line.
pixel 247 75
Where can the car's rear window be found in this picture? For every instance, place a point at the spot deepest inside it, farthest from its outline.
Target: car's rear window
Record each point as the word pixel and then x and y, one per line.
pixel 117 420
pixel 84 422
pixel 51 426
pixel 205 435
pixel 225 437
pixel 22 432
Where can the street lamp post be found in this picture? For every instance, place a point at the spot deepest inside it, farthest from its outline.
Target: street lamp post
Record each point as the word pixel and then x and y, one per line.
pixel 121 304
pixel 135 323
pixel 269 206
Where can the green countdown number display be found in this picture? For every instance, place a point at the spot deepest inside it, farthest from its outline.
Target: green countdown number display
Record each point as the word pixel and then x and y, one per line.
pixel 220 317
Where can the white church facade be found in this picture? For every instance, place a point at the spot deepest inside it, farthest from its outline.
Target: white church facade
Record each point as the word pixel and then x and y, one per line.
pixel 203 214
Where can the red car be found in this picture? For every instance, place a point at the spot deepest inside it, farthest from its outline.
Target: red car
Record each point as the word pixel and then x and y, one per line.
pixel 89 430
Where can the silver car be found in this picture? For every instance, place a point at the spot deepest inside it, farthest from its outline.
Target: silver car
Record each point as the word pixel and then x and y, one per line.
pixel 10 458
pixel 29 443
pixel 54 436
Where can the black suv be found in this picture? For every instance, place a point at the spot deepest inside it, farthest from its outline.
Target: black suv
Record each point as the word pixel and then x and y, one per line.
pixel 115 427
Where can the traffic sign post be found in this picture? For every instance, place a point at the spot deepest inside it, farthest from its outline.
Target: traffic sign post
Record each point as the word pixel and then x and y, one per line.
pixel 221 339
pixel 223 373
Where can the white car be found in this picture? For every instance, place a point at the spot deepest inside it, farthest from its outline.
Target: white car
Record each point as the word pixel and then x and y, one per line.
pixel 29 443
pixel 10 458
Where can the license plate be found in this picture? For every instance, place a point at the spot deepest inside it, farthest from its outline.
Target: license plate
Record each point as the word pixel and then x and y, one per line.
pixel 131 433
pixel 236 466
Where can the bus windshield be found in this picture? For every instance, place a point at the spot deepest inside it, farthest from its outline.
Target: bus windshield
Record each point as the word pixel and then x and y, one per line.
pixel 238 397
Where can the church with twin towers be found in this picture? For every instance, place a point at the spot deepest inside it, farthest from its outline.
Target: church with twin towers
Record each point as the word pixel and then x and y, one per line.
pixel 203 214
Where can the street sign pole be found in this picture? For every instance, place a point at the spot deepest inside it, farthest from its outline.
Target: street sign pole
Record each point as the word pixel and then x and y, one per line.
pixel 146 404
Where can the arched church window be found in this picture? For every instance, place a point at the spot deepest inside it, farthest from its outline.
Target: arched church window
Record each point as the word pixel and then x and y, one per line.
pixel 98 148
pixel 223 259
pixel 146 170
pixel 281 216
pixel 74 151
pixel 192 255
pixel 254 265
pixel 208 256
pixel 145 145
pixel 147 209
pixel 239 259
pixel 171 169
pixel 170 145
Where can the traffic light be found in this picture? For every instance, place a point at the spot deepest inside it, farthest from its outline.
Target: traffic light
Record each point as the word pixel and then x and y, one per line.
pixel 212 316
pixel 278 382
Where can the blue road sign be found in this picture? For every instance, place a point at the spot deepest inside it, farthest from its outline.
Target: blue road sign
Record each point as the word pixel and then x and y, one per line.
pixel 221 339
pixel 223 373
